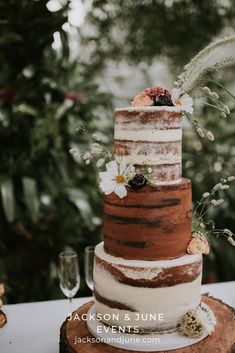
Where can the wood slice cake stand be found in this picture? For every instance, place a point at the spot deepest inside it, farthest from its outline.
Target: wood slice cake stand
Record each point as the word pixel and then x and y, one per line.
pixel 221 341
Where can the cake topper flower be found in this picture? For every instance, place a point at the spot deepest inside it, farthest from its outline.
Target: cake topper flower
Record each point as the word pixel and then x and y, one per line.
pixel 116 178
pixel 198 244
pixel 156 92
pixel 142 100
pixel 153 96
pixel 185 102
pixel 158 96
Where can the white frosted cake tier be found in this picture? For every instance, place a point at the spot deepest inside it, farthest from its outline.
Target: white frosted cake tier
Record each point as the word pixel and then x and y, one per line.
pixel 150 136
pixel 153 295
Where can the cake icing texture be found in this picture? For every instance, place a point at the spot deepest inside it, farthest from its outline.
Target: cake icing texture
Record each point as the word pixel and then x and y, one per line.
pixel 151 136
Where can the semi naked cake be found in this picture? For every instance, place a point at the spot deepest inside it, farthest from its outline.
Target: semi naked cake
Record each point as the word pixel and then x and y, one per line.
pixel 148 269
pixel 142 267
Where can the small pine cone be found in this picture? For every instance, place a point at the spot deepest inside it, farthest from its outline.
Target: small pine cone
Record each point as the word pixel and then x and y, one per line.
pixel 164 100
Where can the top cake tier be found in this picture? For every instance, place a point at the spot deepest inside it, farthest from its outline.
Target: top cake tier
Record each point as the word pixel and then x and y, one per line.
pixel 151 136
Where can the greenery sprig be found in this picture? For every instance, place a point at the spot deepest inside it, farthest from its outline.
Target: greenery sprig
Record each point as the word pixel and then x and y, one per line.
pixel 98 152
pixel 201 222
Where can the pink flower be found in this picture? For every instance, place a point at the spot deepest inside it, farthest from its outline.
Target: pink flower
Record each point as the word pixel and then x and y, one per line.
pixel 72 95
pixel 156 92
pixel 141 100
pixel 1 289
pixel 198 245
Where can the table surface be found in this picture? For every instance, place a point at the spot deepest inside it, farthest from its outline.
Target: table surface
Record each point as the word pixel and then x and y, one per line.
pixel 34 327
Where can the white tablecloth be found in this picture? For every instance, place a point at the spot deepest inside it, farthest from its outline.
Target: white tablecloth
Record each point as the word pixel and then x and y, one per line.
pixel 34 327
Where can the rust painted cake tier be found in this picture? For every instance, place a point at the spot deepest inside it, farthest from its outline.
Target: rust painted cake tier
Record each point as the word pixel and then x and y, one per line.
pixel 153 223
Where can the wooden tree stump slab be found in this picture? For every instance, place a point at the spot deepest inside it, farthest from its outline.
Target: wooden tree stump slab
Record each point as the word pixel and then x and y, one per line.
pixel 221 341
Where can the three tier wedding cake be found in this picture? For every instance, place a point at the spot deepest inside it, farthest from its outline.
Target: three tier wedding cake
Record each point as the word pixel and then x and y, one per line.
pixel 148 269
pixel 144 265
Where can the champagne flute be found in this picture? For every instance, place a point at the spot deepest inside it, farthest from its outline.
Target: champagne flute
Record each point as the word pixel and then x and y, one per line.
pixel 69 274
pixel 89 262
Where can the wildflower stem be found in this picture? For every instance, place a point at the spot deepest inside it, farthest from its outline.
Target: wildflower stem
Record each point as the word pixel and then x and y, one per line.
pixel 222 86
pixel 210 105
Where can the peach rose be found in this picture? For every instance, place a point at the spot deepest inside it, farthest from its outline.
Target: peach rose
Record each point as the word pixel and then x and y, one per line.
pixel 198 245
pixel 141 100
pixel 1 289
pixel 3 319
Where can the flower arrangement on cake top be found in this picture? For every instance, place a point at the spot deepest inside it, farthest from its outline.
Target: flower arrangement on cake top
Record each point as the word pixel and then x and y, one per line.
pixel 158 96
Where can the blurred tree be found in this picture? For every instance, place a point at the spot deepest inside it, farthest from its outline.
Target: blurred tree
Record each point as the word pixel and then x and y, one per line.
pixel 143 30
pixel 47 202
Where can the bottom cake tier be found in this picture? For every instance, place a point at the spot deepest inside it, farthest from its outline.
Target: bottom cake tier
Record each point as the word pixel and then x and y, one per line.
pixel 145 296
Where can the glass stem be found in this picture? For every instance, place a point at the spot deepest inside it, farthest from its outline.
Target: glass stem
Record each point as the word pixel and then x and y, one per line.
pixel 70 307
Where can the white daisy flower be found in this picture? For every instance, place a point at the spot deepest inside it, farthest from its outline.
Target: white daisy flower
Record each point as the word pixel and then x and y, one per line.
pixel 185 102
pixel 116 178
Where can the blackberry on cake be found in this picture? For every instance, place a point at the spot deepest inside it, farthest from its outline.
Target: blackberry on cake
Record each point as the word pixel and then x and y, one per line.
pixel 138 182
pixel 164 100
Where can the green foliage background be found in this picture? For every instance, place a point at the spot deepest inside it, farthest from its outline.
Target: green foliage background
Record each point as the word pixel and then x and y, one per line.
pixel 47 201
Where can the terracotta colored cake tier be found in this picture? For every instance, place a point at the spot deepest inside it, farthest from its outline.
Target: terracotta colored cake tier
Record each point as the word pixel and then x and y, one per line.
pixel 170 287
pixel 221 341
pixel 150 136
pixel 152 223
